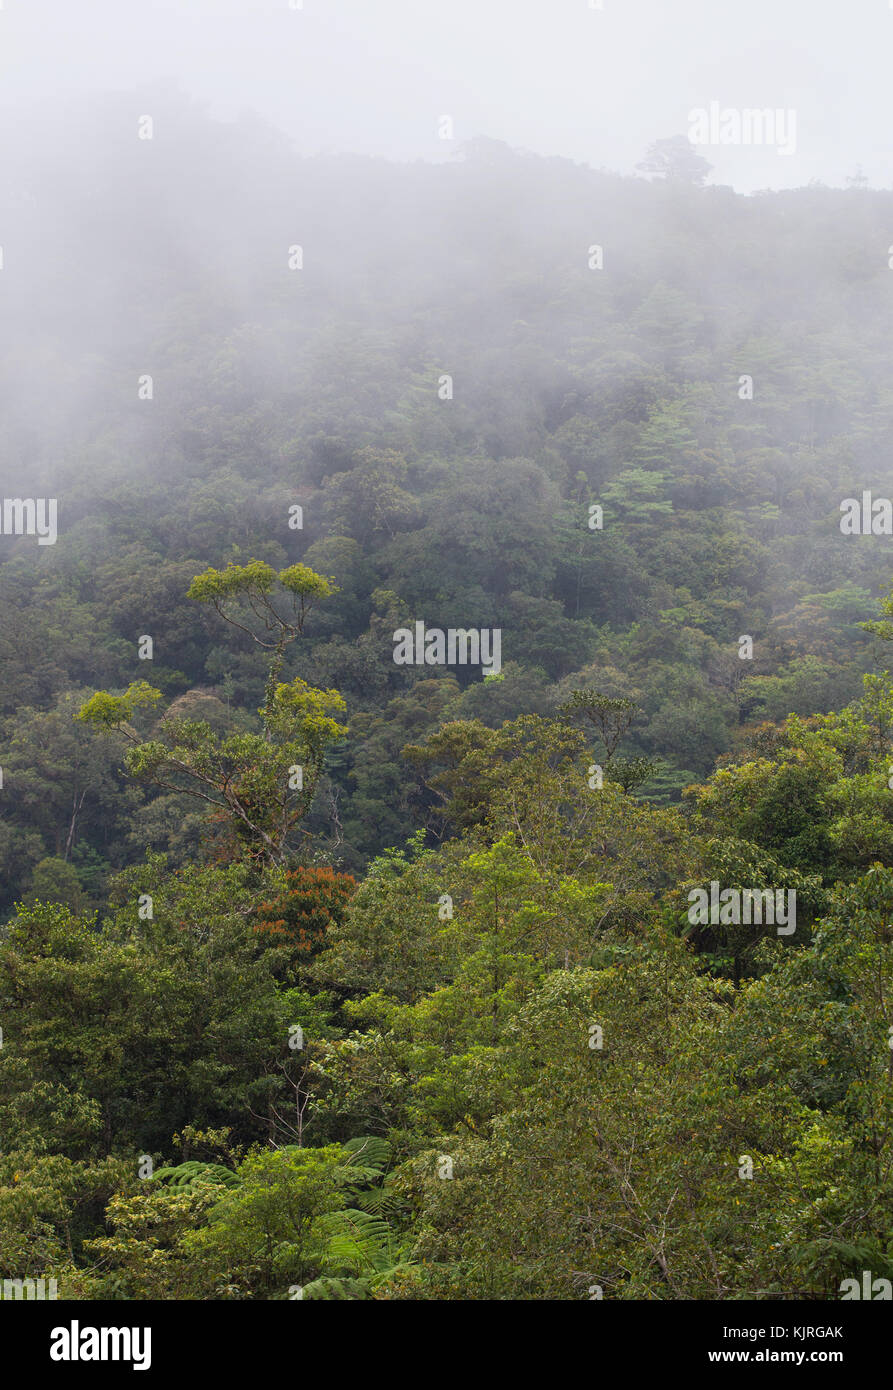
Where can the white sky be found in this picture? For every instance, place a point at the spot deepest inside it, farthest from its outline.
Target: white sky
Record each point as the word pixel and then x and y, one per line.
pixel 554 76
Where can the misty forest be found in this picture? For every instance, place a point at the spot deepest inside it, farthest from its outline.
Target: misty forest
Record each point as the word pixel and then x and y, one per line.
pixel 563 971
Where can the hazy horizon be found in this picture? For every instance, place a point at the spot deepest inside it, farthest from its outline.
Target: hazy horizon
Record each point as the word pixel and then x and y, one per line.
pixel 595 86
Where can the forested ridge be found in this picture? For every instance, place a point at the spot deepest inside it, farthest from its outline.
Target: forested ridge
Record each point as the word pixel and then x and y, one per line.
pixel 327 976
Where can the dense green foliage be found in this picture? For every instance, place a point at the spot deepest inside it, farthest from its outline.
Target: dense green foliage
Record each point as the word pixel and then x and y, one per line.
pixel 323 976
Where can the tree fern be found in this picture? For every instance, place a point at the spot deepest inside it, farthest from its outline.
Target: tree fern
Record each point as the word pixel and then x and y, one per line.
pixel 185 1177
pixel 382 1201
pixel 331 1289
pixel 374 1152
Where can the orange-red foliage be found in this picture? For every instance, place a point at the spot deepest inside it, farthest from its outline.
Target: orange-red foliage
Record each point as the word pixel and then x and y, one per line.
pixel 314 898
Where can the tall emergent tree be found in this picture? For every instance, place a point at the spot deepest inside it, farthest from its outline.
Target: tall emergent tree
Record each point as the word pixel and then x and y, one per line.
pixel 263 782
pixel 675 158
pixel 610 719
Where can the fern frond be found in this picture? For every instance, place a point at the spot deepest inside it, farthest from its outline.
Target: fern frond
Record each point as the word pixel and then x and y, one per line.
pixel 332 1289
pixel 371 1152
pixel 382 1201
pixel 358 1241
pixel 185 1177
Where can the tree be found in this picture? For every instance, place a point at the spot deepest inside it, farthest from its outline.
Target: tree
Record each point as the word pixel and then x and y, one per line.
pixel 463 764
pixel 264 782
pixel 63 787
pixel 273 1232
pixel 55 881
pixel 394 936
pixel 162 1021
pixel 609 717
pixel 675 158
pixel 255 587
pixel 314 899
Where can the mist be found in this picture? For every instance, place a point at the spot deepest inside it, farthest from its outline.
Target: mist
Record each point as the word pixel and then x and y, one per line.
pixel 446 594
pixel 595 81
